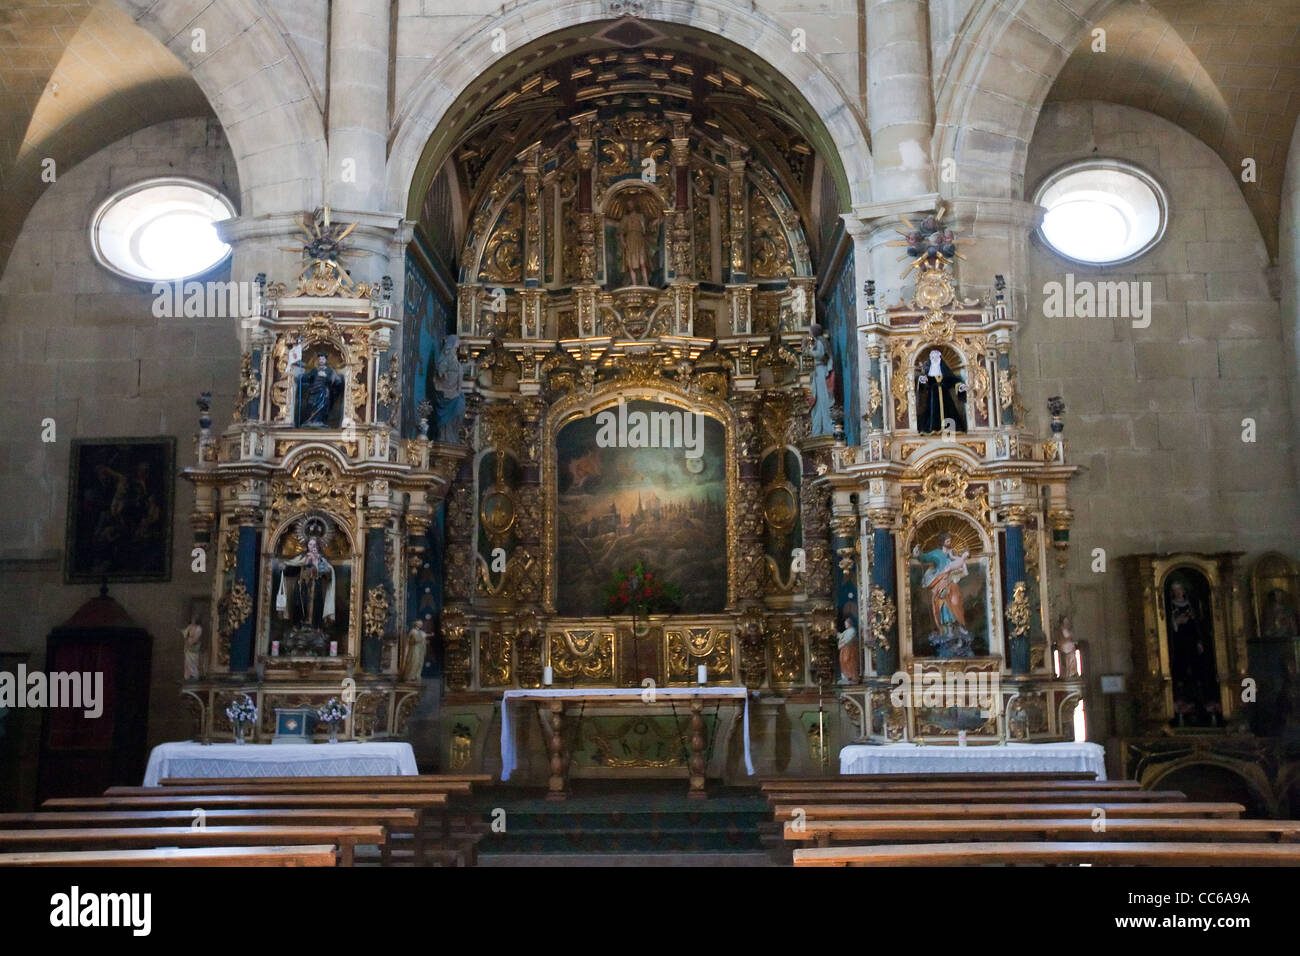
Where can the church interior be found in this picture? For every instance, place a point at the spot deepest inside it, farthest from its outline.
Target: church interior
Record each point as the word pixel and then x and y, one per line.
pixel 650 433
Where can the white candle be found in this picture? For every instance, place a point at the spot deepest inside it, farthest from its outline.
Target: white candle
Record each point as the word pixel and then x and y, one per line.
pixel 275 648
pixel 702 674
pixel 961 738
pixel 1056 662
pixel 334 648
pixel 1078 662
pixel 548 676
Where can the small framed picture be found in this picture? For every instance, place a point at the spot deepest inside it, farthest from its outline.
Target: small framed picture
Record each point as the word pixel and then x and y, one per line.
pixel 120 496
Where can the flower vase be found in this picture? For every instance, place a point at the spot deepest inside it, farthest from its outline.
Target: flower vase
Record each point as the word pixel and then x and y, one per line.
pixel 239 732
pixel 334 733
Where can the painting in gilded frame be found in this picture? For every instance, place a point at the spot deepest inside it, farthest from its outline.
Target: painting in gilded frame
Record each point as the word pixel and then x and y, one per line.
pixel 948 587
pixel 120 498
pixel 621 500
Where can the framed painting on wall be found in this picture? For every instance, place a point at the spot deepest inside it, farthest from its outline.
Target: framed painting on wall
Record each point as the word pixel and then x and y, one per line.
pixel 120 496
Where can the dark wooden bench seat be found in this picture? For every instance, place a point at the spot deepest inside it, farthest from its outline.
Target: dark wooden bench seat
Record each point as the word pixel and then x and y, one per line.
pixel 831 832
pixel 798 798
pixel 314 855
pixel 957 811
pixel 1099 853
pixel 874 784
pixel 123 838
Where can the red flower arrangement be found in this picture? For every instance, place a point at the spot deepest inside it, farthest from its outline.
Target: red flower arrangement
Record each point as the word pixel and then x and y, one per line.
pixel 638 591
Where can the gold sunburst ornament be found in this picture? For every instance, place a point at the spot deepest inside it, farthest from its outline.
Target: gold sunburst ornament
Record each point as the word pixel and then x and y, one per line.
pixel 323 249
pixel 930 246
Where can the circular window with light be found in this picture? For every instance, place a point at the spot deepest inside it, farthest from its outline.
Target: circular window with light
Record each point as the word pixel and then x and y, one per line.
pixel 161 230
pixel 1101 212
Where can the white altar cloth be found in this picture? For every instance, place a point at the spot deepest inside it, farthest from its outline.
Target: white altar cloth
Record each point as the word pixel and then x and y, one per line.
pixel 370 759
pixel 1067 757
pixel 509 759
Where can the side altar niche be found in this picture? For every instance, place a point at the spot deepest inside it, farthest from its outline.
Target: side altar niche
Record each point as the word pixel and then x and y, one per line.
pixel 311 507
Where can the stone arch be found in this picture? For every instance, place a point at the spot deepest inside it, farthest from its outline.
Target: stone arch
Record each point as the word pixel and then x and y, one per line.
pixel 272 116
pixel 1005 64
pixel 445 82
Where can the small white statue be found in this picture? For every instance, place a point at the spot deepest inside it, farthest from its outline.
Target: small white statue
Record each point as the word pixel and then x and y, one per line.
pixel 192 634
pixel 414 650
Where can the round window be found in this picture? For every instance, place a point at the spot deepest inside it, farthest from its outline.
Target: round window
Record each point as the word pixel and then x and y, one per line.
pixel 1101 212
pixel 161 230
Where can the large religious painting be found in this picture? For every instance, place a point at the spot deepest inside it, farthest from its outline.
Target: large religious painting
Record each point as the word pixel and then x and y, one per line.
pixel 120 510
pixel 948 581
pixel 1190 634
pixel 311 588
pixel 641 483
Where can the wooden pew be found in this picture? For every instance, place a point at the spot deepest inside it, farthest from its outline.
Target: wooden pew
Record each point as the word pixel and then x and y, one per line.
pixel 875 784
pixel 794 798
pixel 431 807
pixel 972 778
pixel 457 788
pixel 322 855
pixel 392 820
pixel 477 779
pixel 958 811
pixel 1100 853
pixel 125 838
pixel 831 832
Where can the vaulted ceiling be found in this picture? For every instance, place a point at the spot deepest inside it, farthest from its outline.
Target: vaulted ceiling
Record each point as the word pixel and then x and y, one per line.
pixel 76 75
pixel 1228 71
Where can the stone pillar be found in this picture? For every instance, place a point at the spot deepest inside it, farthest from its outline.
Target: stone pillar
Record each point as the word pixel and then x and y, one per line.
pixel 900 102
pixel 358 104
pixel 1001 229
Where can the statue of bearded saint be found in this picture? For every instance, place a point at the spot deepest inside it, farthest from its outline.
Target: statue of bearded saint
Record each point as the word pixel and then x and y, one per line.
pixel 308 601
pixel 940 396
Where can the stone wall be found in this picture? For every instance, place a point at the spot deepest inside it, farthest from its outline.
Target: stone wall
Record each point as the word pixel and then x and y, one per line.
pixel 84 348
pixel 1155 415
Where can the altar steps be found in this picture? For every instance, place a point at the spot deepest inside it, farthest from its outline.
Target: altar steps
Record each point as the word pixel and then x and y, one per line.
pixel 626 823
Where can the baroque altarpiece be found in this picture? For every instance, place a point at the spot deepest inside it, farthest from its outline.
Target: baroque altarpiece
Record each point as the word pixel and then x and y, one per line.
pixel 640 442
pixel 312 507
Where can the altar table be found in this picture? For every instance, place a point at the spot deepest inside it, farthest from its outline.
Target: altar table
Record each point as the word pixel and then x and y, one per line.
pixel 557 697
pixel 190 759
pixel 1067 757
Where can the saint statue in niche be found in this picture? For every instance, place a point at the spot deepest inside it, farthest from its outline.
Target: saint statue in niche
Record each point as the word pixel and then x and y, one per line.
pixel 632 248
pixel 306 603
pixel 942 579
pixel 193 637
pixel 940 396
pixel 1191 651
pixel 823 379
pixel 319 391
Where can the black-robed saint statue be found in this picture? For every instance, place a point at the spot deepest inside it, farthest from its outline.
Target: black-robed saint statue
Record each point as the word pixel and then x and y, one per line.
pixel 318 393
pixel 940 396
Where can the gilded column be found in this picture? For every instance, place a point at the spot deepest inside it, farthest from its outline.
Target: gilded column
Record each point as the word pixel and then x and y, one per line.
pixel 1017 598
pixel 378 589
pixel 883 601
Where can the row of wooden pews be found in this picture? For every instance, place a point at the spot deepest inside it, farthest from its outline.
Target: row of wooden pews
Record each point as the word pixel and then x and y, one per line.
pixel 265 821
pixel 1043 819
